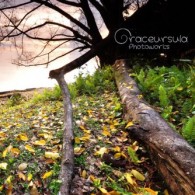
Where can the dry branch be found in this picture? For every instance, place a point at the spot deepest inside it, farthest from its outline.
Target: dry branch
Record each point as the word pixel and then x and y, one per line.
pixel 173 156
pixel 67 162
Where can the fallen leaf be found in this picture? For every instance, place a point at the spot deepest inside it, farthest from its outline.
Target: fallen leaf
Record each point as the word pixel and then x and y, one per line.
pixel 77 140
pixel 78 150
pixel 1 187
pixel 9 179
pixel 84 174
pixel 29 148
pixel 129 124
pixel 22 166
pixel 15 151
pixel 47 174
pixel 23 137
pixel 152 192
pixel 138 175
pixel 106 132
pixel 3 166
pixel 21 176
pixel 2 134
pixel 52 155
pixel 8 149
pixel 117 155
pixel 34 190
pixel 128 177
pixel 29 177
pixel 41 142
pixel 116 149
pixel 104 191
pixel 101 151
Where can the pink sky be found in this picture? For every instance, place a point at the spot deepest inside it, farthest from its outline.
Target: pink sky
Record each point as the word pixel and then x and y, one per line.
pixel 15 77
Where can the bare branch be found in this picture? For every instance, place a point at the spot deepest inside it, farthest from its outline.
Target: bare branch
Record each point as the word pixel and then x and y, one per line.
pixel 68 16
pixel 91 21
pixel 15 6
pixel 48 60
pixel 70 3
pixel 81 59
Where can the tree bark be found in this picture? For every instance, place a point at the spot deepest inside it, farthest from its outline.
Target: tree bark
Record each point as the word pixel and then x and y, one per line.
pixel 173 156
pixel 67 162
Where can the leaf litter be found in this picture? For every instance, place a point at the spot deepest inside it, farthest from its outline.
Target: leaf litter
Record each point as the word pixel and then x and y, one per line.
pixel 107 160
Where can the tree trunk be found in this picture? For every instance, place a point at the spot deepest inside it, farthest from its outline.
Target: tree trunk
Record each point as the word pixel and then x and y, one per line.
pixel 173 156
pixel 67 162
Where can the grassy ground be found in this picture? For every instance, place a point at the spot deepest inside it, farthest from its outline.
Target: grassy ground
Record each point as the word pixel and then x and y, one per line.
pixel 107 160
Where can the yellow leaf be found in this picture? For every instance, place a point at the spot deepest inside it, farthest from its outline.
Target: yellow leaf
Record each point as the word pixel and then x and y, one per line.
pixel 78 150
pixel 1 187
pixel 29 148
pixel 77 140
pixel 4 154
pixel 87 131
pixel 46 136
pixel 3 166
pixel 166 192
pixel 82 127
pixel 116 123
pixel 116 149
pixel 29 177
pixel 8 180
pixel 84 174
pixel 21 176
pixel 129 178
pixel 92 178
pixel 15 151
pixel 41 142
pixel 2 134
pixel 138 175
pixel 112 128
pixel 53 155
pixel 106 132
pixel 101 151
pixel 85 138
pixel 117 155
pixel 90 113
pixel 152 192
pixel 129 124
pixel 8 149
pixel 47 174
pixel 23 137
pixel 140 96
pixel 22 166
pixel 104 191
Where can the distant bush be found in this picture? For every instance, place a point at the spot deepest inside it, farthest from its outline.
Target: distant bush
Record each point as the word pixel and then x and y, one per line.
pixel 15 100
pixel 48 95
pixel 100 81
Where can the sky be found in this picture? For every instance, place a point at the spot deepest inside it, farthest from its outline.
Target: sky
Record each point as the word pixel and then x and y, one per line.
pixel 13 77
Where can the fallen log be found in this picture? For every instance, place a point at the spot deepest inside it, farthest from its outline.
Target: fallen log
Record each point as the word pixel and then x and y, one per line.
pixel 173 156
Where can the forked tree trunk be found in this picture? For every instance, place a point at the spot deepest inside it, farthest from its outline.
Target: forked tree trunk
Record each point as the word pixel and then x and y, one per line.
pixel 67 162
pixel 173 156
